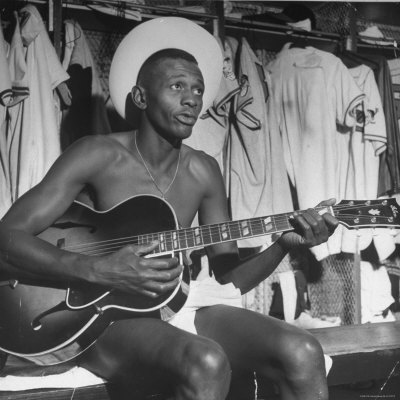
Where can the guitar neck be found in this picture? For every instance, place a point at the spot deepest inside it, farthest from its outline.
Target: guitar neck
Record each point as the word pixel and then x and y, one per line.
pixel 206 235
pixel 353 214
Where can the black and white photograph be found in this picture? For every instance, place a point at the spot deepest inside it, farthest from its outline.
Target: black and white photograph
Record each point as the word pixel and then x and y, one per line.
pixel 199 200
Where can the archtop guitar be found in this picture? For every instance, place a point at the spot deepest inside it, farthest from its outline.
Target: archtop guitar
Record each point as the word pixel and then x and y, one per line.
pixel 37 318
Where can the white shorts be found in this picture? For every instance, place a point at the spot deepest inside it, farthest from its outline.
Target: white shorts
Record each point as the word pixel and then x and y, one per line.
pixel 204 293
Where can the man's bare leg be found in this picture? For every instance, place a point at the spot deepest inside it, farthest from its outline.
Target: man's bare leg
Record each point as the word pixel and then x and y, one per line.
pixel 197 366
pixel 272 348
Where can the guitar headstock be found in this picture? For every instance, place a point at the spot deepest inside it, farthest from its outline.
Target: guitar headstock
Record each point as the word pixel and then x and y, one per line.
pixel 368 213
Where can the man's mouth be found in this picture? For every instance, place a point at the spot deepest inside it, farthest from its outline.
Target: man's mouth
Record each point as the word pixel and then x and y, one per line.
pixel 187 119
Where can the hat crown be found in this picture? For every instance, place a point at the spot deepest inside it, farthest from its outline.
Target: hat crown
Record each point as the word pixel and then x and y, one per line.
pixel 158 34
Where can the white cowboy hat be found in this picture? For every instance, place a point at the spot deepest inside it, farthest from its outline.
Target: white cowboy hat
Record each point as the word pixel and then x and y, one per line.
pixel 158 34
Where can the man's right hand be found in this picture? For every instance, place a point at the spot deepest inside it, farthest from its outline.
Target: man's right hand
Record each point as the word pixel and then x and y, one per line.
pixel 129 271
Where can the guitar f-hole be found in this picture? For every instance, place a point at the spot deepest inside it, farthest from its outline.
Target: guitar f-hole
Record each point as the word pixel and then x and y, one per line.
pixel 36 324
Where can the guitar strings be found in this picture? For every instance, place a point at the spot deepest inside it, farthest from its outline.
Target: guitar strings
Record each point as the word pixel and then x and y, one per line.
pixel 231 224
pixel 234 228
pixel 104 251
pixel 119 245
pixel 184 234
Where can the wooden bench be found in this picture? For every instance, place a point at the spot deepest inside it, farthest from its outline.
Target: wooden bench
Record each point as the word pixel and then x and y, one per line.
pixel 359 352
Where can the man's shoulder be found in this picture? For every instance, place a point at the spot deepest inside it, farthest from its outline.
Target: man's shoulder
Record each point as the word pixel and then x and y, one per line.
pixel 101 144
pixel 92 154
pixel 198 156
pixel 200 161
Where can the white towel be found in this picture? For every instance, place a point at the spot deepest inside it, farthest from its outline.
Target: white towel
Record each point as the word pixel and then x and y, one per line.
pixel 289 294
pixel 74 378
pixel 375 293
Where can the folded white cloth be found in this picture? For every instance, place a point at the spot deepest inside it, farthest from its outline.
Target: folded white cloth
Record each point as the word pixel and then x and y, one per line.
pixel 328 364
pixel 376 294
pixel 289 294
pixel 74 378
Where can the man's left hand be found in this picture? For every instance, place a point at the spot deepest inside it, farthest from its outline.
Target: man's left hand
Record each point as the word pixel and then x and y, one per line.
pixel 310 227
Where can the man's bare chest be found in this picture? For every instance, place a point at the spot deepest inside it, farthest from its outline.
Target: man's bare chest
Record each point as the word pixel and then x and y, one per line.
pixel 112 189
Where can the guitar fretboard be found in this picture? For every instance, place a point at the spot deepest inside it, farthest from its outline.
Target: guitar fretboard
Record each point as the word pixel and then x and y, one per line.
pixel 206 235
pixel 353 214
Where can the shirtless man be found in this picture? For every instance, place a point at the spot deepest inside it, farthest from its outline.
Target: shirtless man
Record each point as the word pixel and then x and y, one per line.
pixel 153 160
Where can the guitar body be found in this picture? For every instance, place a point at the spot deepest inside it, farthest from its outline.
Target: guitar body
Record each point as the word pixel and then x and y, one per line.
pixel 37 318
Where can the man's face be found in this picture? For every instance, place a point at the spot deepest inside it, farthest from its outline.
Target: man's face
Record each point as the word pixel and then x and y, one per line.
pixel 174 97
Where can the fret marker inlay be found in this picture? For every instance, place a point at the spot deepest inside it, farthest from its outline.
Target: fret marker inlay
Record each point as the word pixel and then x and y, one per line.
pixel 224 232
pixel 162 244
pixel 268 224
pixel 245 228
pixel 197 236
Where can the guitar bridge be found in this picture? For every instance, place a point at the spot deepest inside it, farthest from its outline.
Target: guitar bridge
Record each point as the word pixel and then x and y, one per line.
pixel 98 309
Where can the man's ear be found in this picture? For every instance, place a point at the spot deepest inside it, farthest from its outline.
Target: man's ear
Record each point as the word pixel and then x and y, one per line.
pixel 138 97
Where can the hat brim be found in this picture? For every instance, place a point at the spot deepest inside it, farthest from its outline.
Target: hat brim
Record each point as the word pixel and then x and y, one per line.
pixel 158 34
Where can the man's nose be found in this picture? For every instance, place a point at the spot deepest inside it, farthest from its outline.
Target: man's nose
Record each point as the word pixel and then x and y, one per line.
pixel 189 98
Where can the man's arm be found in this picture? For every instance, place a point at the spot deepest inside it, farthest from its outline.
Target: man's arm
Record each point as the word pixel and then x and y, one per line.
pixel 20 250
pixel 310 229
pixel 22 253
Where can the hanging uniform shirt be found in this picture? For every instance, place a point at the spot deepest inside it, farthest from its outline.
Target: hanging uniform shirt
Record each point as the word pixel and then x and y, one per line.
pixel 14 91
pixel 18 71
pixel 259 185
pixel 5 97
pixel 389 169
pixel 368 138
pixel 312 91
pixel 365 144
pixel 5 78
pixel 39 143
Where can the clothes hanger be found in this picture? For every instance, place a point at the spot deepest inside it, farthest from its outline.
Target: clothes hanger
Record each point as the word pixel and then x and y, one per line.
pixel 299 42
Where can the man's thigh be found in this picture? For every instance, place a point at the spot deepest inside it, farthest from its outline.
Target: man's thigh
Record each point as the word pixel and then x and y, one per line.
pixel 136 348
pixel 251 340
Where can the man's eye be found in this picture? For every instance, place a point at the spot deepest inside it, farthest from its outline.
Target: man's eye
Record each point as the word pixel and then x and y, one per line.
pixel 176 86
pixel 199 92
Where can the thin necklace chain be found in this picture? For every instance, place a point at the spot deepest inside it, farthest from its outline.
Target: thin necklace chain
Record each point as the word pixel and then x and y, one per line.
pixel 163 193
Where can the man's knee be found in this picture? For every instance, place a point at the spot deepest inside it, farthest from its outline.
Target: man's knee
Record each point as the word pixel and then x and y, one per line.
pixel 303 355
pixel 302 367
pixel 204 362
